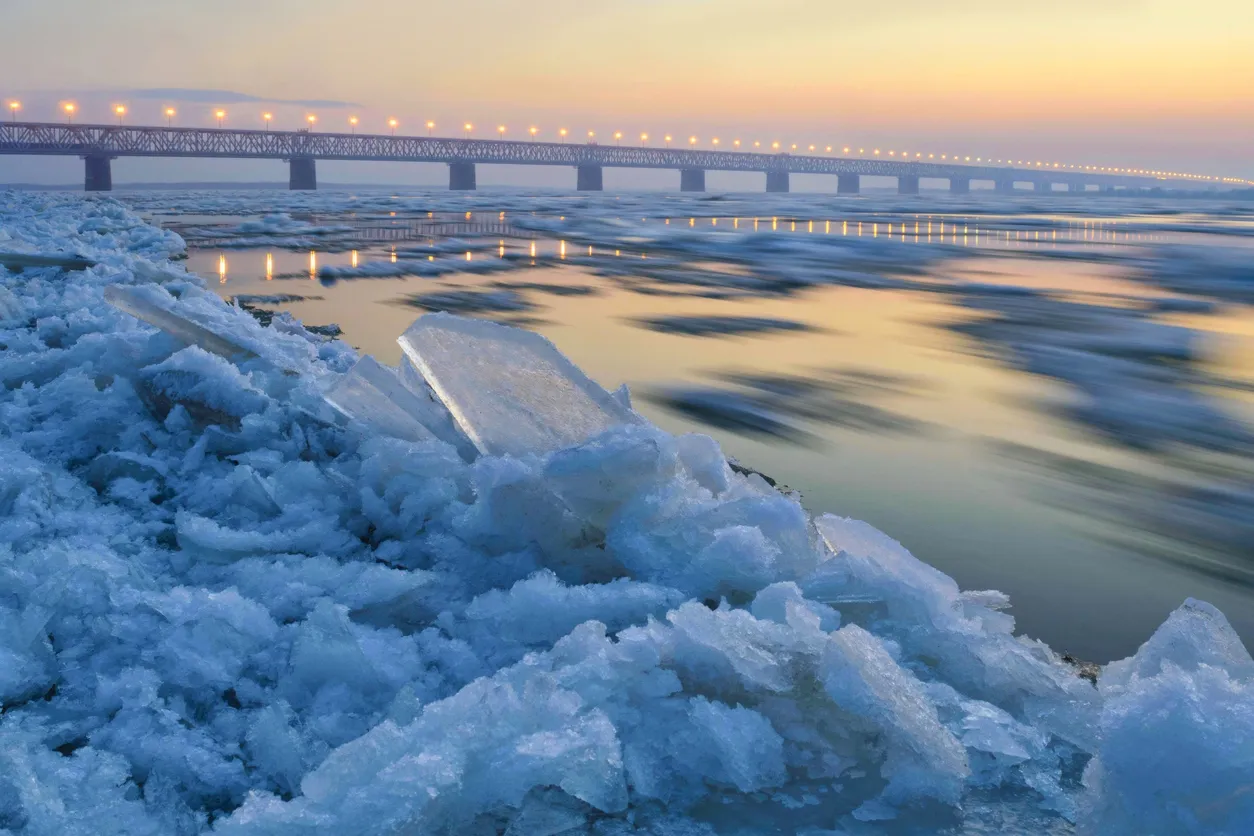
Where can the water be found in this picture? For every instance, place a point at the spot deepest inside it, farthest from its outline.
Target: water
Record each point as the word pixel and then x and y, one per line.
pixel 992 385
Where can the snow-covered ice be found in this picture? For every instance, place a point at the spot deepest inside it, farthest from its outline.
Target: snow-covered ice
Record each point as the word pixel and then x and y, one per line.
pixel 225 609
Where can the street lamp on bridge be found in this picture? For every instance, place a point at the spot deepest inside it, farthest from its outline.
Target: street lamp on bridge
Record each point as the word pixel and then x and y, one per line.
pixel 169 117
pixel 469 127
pixel 430 127
pixel 221 114
pixel 392 123
pixel 533 131
pixel 312 120
pixel 562 133
pixel 644 138
pixel 500 129
pixel 668 141
pixel 14 107
pixel 70 107
pixel 120 110
pixel 267 117
pixel 352 121
pixel 617 136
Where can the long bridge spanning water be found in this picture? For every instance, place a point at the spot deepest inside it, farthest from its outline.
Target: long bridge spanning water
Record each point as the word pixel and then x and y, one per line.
pixel 98 145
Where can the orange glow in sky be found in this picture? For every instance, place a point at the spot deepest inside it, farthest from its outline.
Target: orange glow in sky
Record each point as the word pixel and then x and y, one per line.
pixel 1152 83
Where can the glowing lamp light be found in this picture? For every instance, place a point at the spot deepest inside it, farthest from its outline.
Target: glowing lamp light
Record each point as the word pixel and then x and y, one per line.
pixel 70 107
pixel 169 116
pixel 14 107
pixel 311 119
pixel 692 140
pixel 500 129
pixel 267 117
pixel 774 146
pixel 534 130
pixel 220 114
pixel 644 137
pixel 392 123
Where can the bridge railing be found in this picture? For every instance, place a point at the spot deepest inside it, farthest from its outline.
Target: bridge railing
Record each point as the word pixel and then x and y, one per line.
pixel 141 141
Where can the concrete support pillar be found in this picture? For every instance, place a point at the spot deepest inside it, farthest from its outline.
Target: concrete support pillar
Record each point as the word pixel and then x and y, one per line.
pixel 777 181
pixel 1077 187
pixel 99 174
pixel 959 185
pixel 461 177
pixel 692 180
pixel 302 174
pixel 908 184
pixel 1043 187
pixel 848 184
pixel 1005 186
pixel 588 178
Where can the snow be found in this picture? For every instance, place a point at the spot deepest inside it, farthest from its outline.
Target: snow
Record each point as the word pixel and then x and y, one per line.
pixel 226 607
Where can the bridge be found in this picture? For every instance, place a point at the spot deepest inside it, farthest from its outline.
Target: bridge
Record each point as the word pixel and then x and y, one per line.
pixel 98 145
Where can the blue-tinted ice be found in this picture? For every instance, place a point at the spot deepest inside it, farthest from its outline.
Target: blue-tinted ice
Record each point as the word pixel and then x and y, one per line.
pixel 510 391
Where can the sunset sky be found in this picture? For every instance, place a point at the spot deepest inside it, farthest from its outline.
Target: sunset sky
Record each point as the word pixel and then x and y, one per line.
pixel 1142 83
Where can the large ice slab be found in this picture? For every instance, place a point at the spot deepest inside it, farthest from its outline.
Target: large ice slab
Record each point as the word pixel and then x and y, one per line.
pixel 509 390
pixel 145 303
pixel 372 394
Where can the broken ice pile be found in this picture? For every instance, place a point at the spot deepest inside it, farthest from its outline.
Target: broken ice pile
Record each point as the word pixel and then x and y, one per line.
pixel 482 596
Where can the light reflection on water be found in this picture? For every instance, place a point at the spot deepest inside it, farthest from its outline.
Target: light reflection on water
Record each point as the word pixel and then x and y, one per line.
pixel 891 411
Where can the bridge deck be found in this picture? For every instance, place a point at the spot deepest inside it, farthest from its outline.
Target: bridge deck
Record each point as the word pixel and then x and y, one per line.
pixel 39 138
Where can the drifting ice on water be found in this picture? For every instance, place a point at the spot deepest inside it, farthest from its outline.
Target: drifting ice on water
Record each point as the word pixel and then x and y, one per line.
pixel 253 583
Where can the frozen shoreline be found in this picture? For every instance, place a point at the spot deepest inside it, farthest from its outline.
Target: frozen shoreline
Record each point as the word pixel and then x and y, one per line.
pixel 223 609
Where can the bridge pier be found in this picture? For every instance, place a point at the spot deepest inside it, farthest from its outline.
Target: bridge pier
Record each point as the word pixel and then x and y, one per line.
pixel 908 184
pixel 959 185
pixel 461 177
pixel 1077 187
pixel 589 178
pixel 98 173
pixel 302 174
pixel 848 184
pixel 777 181
pixel 692 180
pixel 1005 186
pixel 1043 187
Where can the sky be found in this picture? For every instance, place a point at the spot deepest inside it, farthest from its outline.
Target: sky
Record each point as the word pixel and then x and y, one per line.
pixel 1164 84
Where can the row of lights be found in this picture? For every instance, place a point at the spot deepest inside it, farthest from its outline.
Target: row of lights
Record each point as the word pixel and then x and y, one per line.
pixel 120 111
